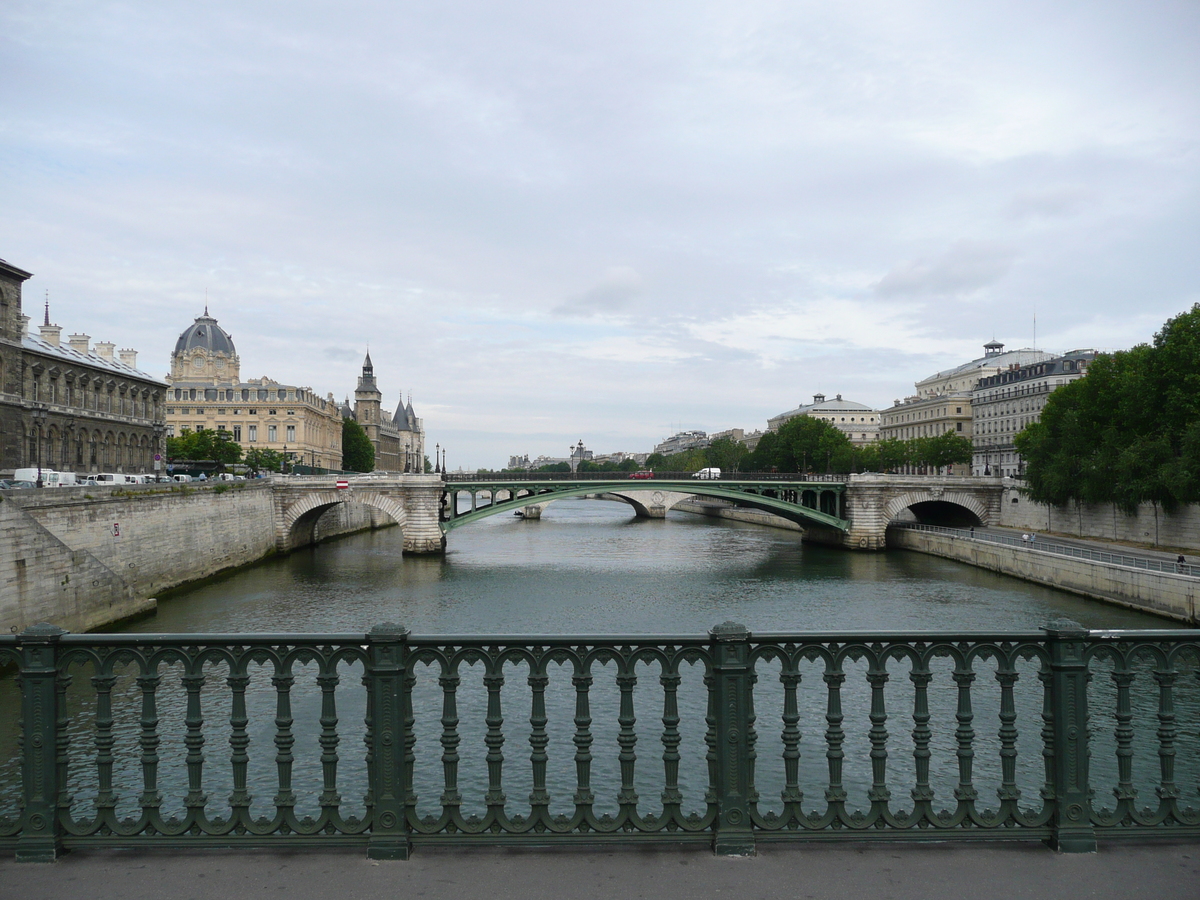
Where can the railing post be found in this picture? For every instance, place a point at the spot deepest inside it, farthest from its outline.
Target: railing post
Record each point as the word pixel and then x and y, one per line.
pixel 1069 676
pixel 40 838
pixel 731 687
pixel 386 665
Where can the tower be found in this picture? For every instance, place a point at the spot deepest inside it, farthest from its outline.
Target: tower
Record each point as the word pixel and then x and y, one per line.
pixel 368 402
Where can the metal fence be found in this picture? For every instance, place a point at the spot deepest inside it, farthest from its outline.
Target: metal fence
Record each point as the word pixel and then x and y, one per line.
pixel 391 741
pixel 727 475
pixel 1050 546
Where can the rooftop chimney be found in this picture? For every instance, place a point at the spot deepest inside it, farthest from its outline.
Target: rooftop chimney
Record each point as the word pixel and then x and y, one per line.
pixel 818 398
pixel 129 357
pixel 79 342
pixel 51 334
pixel 25 320
pixel 104 349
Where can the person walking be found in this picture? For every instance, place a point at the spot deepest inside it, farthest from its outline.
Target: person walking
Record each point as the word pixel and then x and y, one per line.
pixel 1179 563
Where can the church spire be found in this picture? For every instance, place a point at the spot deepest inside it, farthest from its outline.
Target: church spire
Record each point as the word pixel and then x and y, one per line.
pixel 47 321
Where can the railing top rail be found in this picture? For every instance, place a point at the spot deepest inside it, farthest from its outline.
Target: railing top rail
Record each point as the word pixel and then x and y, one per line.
pixel 455 477
pixel 829 637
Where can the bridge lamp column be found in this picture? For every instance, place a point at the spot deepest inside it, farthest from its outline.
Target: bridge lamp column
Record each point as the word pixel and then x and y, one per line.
pixel 437 458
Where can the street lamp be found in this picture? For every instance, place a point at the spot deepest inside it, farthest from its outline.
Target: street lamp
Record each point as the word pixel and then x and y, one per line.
pixel 39 418
pixel 437 458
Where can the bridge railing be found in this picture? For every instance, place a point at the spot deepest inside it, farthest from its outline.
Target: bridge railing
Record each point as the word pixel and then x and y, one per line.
pixel 390 741
pixel 451 477
pixel 1051 546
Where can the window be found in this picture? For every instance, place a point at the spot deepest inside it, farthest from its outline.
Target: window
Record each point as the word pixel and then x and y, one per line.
pixel 272 432
pixel 271 412
pixel 959 424
pixel 291 412
pixel 958 410
pixel 237 433
pixel 291 433
pixel 253 433
pixel 170 411
pixel 220 412
pixel 237 412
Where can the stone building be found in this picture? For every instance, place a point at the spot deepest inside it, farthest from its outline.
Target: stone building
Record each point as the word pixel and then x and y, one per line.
pixel 71 406
pixel 1004 403
pixel 399 438
pixel 206 391
pixel 857 421
pixel 681 441
pixel 943 401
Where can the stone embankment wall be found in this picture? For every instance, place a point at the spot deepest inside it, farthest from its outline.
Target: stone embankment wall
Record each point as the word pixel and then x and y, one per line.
pixel 724 510
pixel 84 558
pixel 1104 522
pixel 1168 595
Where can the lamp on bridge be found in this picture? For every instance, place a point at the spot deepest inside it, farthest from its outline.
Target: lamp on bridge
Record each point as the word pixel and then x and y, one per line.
pixel 437 458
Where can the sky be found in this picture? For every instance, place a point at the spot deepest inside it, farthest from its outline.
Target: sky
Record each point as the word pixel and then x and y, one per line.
pixel 603 221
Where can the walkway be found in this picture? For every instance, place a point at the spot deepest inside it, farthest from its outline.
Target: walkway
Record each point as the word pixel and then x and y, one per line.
pixel 1163 871
pixel 1080 548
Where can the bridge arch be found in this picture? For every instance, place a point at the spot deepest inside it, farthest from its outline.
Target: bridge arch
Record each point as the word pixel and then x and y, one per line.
pixel 938 507
pixel 299 520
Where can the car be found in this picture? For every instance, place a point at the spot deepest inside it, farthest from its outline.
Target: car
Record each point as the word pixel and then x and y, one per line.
pixel 646 473
pixel 707 473
pixel 16 485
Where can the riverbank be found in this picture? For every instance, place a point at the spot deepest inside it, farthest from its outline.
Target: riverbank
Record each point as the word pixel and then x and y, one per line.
pixel 1162 593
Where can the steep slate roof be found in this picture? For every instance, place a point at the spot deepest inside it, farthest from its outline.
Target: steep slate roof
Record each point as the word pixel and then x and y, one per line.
pixel 206 333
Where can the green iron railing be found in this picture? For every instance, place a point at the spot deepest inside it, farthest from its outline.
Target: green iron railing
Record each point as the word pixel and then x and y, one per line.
pixel 729 738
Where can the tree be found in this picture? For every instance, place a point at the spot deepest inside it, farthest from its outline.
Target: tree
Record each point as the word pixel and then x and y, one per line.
pixel 205 444
pixel 656 461
pixel 358 454
pixel 726 454
pixel 264 461
pixel 1129 432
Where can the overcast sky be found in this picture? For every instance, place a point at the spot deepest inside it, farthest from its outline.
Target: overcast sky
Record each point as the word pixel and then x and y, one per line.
pixel 606 221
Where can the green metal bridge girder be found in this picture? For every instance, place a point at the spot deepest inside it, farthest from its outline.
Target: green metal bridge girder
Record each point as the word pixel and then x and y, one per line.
pixel 750 493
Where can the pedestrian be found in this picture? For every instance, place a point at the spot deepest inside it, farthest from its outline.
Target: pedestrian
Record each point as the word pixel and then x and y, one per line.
pixel 972 531
pixel 1032 535
pixel 1179 563
pixel 1025 538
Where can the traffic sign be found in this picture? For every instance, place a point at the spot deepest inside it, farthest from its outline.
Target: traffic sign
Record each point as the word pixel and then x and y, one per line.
pixel 342 484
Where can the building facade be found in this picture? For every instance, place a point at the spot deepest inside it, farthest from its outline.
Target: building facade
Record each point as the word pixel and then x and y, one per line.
pixel 859 422
pixel 683 440
pixel 205 390
pixel 399 437
pixel 72 407
pixel 1008 401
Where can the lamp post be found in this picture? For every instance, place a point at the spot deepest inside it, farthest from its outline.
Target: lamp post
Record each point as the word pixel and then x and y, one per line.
pixel 576 456
pixel 444 469
pixel 39 418
pixel 437 458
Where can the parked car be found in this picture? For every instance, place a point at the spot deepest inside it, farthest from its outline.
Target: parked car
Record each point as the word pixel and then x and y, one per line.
pixel 645 473
pixel 10 484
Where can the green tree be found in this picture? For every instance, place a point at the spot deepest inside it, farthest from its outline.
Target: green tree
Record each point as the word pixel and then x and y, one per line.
pixel 358 453
pixel 260 460
pixel 205 444
pixel 726 454
pixel 554 467
pixel 656 461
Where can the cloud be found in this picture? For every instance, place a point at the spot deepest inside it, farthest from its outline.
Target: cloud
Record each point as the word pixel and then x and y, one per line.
pixel 612 293
pixel 1052 202
pixel 963 269
pixel 342 354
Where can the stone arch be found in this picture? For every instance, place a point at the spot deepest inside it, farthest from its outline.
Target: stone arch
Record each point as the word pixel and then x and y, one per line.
pixel 962 499
pixel 300 517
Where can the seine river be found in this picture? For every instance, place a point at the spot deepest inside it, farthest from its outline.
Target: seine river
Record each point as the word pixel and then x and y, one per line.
pixel 590 567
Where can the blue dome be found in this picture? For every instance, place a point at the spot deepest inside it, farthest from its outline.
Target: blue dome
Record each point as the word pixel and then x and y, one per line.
pixel 207 334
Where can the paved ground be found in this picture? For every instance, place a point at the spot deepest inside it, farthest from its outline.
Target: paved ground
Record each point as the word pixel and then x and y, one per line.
pixel 1158 871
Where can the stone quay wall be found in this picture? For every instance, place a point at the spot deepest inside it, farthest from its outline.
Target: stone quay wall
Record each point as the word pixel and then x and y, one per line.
pixel 1180 529
pixel 84 558
pixel 1173 596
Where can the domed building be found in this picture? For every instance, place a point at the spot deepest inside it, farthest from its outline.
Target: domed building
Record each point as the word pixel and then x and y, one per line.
pixel 859 422
pixel 206 390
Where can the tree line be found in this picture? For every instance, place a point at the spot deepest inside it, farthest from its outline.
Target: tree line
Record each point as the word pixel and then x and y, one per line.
pixel 1128 432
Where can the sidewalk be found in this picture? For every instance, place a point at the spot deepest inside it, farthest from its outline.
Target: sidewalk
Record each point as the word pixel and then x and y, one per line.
pixel 1163 871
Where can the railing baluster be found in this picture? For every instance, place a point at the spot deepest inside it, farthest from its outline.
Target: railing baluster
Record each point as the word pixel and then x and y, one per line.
pixel 1008 792
pixel 387 660
pixel 584 798
pixel 877 678
pixel 39 840
pixel 239 743
pixel 106 800
pixel 494 740
pixel 285 799
pixel 672 798
pixel 539 797
pixel 1122 676
pixel 1073 831
pixel 835 794
pixel 627 797
pixel 329 799
pixel 1168 791
pixel 732 705
pixel 922 792
pixel 964 734
pixel 449 681
pixel 149 741
pixel 193 740
pixel 792 796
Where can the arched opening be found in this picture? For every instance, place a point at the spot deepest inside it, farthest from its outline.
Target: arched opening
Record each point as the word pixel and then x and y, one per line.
pixel 942 512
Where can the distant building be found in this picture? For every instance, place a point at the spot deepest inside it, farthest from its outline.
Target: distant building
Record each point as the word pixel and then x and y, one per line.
pixel 398 438
pixel 684 440
pixel 857 421
pixel 943 401
pixel 1008 401
pixel 71 406
pixel 207 391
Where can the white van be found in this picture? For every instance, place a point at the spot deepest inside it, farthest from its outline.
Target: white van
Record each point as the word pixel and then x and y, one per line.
pixel 108 479
pixel 50 478
pixel 707 473
pixel 182 479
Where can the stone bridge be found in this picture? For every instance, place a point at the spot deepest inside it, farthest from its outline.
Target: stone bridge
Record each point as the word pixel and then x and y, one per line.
pixel 853 512
pixel 411 501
